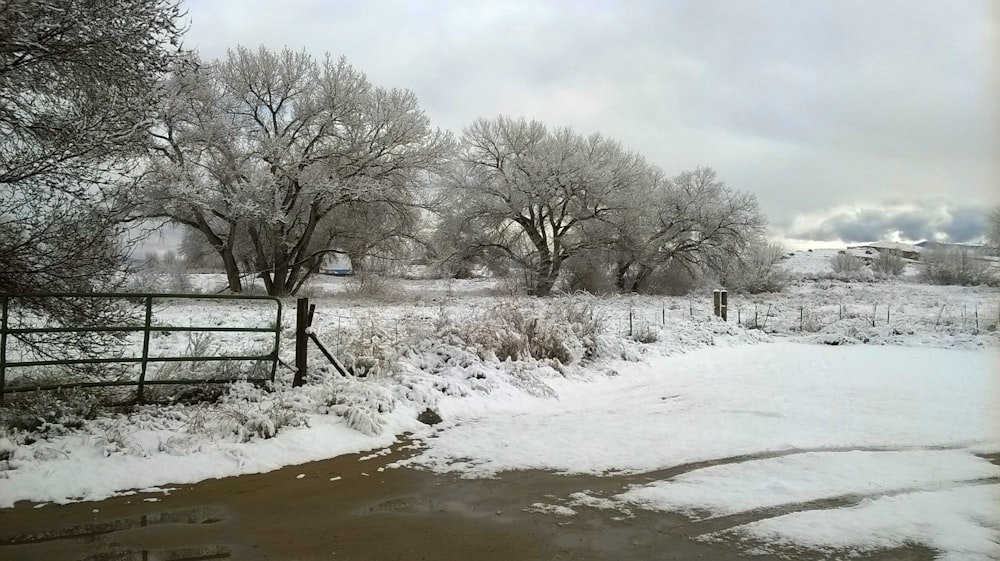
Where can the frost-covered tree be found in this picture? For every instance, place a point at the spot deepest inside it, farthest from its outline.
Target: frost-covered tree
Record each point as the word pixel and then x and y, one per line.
pixel 693 221
pixel 993 230
pixel 77 80
pixel 534 197
pixel 956 265
pixel 756 269
pixel 264 149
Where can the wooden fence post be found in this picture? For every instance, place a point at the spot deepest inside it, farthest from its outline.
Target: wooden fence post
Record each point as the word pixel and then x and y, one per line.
pixel 720 303
pixel 301 341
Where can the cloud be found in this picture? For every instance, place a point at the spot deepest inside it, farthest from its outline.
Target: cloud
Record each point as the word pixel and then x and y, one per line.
pixel 927 220
pixel 810 106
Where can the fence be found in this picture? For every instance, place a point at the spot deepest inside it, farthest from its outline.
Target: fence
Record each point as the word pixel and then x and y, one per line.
pixel 24 328
pixel 625 316
pixel 788 315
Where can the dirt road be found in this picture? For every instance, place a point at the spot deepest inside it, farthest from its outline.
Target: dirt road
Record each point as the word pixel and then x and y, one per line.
pixel 348 509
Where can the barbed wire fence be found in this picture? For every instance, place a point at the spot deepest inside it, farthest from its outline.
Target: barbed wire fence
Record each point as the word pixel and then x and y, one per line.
pixel 782 316
pixel 805 317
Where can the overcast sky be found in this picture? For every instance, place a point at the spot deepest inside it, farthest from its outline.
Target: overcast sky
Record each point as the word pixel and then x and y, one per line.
pixel 850 120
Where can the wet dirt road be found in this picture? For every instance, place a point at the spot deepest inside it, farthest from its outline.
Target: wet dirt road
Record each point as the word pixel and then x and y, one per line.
pixel 346 509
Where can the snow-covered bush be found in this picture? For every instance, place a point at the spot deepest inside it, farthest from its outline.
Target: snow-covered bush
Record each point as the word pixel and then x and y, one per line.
pixel 369 349
pixel 955 266
pixel 846 266
pixel 672 280
pixel 248 412
pixel 49 412
pixel 362 404
pixel 646 334
pixel 756 270
pixel 563 331
pixel 888 263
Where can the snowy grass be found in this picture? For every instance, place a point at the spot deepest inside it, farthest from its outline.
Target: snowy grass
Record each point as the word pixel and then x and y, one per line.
pixel 610 385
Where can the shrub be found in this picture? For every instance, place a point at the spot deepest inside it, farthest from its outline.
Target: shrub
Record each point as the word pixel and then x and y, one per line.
pixel 587 275
pixel 248 412
pixel 372 285
pixel 565 332
pixel 756 270
pixel 846 265
pixel 372 349
pixel 961 266
pixel 673 280
pixel 49 412
pixel 362 405
pixel 888 263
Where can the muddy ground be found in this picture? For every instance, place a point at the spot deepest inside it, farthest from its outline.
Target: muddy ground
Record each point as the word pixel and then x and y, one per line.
pixel 298 513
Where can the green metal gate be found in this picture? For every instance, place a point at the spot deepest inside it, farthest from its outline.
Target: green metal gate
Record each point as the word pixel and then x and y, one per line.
pixel 8 307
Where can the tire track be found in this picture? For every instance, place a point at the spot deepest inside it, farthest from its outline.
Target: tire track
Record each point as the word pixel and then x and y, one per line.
pixel 723 524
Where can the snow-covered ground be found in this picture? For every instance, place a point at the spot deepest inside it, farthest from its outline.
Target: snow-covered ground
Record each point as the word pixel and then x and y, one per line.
pixel 785 427
pixel 833 416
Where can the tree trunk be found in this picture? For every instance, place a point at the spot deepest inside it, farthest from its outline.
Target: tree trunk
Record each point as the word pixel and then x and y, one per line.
pixel 224 247
pixel 621 276
pixel 232 269
pixel 547 274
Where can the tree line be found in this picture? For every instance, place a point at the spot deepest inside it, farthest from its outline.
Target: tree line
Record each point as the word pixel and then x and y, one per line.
pixel 270 159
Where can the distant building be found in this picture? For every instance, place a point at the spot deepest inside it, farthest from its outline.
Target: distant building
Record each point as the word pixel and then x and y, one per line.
pixel 907 251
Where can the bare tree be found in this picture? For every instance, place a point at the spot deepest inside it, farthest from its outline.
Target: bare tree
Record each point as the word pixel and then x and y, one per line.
pixel 266 146
pixel 77 80
pixel 692 220
pixel 993 230
pixel 529 195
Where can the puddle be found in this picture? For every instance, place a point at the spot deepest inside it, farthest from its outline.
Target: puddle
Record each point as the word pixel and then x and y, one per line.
pixel 346 509
pixel 181 554
pixel 202 515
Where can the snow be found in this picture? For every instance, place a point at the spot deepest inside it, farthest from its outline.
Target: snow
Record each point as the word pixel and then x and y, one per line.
pixel 854 417
pixel 74 467
pixel 960 523
pixel 720 402
pixel 809 476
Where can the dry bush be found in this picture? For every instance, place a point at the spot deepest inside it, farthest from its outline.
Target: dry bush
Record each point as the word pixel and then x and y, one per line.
pixel 370 348
pixel 672 280
pixel 757 270
pixel 565 331
pixel 587 275
pixel 846 265
pixel 888 263
pixel 959 266
pixel 372 285
pixel 49 412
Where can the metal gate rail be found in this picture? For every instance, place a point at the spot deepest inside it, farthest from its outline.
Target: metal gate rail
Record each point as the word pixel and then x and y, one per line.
pixel 147 329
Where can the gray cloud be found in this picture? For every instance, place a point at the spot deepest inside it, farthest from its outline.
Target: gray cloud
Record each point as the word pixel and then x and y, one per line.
pixel 809 105
pixel 927 220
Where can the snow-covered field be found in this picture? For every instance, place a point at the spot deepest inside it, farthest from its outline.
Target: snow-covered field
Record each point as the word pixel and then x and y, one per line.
pixel 836 417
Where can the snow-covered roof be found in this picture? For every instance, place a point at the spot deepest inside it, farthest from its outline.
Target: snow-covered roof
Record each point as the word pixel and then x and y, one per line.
pixel 897 246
